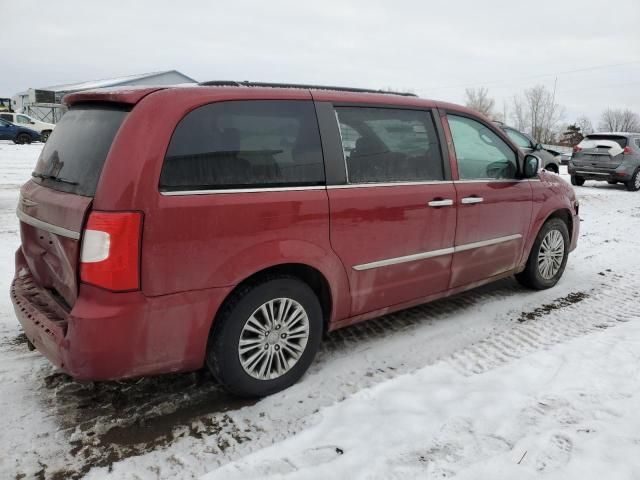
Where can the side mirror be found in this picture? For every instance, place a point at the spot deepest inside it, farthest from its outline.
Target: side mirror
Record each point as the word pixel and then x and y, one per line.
pixel 538 146
pixel 32 123
pixel 532 164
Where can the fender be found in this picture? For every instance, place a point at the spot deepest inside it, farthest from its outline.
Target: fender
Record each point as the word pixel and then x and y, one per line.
pixel 551 194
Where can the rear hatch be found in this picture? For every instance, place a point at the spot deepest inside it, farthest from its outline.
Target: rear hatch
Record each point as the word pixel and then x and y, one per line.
pixel 600 152
pixel 54 204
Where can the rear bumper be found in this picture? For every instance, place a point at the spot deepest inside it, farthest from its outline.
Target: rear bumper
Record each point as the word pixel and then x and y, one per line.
pixel 109 336
pixel 619 174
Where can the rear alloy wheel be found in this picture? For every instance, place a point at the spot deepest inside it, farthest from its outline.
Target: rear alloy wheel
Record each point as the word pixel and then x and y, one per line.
pixel 23 138
pixel 265 336
pixel 577 181
pixel 548 257
pixel 633 185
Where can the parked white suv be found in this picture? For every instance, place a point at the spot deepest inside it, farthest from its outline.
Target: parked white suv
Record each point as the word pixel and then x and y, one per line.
pixel 23 120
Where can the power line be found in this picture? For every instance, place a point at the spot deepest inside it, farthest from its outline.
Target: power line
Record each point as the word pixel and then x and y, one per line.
pixel 600 86
pixel 528 77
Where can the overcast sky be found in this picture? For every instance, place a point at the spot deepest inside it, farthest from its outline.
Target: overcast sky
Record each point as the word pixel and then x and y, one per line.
pixel 433 48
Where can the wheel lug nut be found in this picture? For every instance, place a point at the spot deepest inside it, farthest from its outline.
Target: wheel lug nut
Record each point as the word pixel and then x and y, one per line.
pixel 266 346
pixel 277 327
pixel 284 335
pixel 277 347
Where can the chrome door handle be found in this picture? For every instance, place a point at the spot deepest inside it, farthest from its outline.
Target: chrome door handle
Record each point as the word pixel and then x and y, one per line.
pixel 471 200
pixel 440 203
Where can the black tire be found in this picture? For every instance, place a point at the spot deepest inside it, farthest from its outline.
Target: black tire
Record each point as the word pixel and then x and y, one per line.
pixel 633 185
pixel 612 182
pixel 44 136
pixel 531 276
pixel 553 168
pixel 223 358
pixel 22 138
pixel 577 181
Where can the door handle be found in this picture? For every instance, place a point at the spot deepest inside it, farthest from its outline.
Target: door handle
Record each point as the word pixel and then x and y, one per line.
pixel 440 203
pixel 471 200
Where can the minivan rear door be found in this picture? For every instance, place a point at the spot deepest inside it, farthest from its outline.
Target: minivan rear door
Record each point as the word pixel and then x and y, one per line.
pixel 53 205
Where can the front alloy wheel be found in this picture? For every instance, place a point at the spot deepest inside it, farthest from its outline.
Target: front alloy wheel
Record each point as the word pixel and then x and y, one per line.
pixel 551 254
pixel 548 256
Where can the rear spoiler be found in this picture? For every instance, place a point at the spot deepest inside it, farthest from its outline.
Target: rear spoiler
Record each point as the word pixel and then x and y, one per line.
pixel 126 95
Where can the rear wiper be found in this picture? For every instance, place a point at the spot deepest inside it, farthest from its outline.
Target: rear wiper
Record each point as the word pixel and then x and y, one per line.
pixel 44 176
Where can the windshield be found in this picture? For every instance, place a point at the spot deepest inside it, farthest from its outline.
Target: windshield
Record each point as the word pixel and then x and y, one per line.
pixel 72 159
pixel 518 138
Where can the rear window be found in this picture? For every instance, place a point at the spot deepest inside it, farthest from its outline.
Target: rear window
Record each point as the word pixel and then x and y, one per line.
pixel 622 141
pixel 73 157
pixel 245 144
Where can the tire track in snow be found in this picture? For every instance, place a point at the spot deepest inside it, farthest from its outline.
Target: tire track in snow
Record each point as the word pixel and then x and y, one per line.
pixel 564 319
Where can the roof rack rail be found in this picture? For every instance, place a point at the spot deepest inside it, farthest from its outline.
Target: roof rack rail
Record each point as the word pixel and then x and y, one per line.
pixel 233 83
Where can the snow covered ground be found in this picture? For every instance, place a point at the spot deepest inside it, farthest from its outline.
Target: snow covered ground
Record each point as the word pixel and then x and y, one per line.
pixel 497 383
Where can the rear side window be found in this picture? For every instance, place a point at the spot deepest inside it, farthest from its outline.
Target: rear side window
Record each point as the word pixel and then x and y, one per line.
pixel 245 144
pixel 6 116
pixel 73 157
pixel 389 145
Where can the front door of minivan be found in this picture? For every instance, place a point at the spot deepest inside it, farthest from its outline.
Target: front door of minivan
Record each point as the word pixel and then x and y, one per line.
pixel 494 207
pixel 393 222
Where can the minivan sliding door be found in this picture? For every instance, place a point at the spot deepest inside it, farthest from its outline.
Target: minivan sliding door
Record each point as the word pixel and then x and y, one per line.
pixel 393 217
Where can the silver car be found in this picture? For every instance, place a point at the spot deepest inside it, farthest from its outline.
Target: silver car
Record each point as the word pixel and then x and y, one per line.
pixel 529 145
pixel 612 157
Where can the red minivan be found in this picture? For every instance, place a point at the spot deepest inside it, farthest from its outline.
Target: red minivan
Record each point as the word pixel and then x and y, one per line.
pixel 231 225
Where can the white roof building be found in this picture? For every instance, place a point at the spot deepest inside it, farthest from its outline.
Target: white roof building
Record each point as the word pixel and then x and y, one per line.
pixel 25 102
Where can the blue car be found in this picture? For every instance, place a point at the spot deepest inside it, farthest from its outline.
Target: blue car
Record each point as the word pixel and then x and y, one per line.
pixel 11 131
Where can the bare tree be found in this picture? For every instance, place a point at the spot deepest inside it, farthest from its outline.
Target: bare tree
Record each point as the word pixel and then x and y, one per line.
pixel 537 113
pixel 586 127
pixel 518 115
pixel 478 99
pixel 617 120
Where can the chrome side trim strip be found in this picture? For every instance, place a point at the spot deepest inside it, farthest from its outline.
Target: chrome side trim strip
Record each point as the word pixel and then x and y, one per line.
pixel 435 253
pixel 49 227
pixel 486 243
pixel 389 184
pixel 408 258
pixel 240 190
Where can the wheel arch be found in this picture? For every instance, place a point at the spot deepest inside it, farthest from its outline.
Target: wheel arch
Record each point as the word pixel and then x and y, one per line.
pixel 563 213
pixel 307 274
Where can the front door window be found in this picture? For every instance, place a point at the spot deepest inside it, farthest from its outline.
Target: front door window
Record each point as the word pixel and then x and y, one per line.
pixel 480 152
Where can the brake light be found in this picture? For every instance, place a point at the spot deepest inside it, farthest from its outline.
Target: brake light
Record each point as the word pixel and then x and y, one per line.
pixel 576 148
pixel 627 151
pixel 110 254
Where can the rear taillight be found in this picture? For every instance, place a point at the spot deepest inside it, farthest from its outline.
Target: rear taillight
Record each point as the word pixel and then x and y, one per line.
pixel 110 255
pixel 627 151
pixel 576 148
